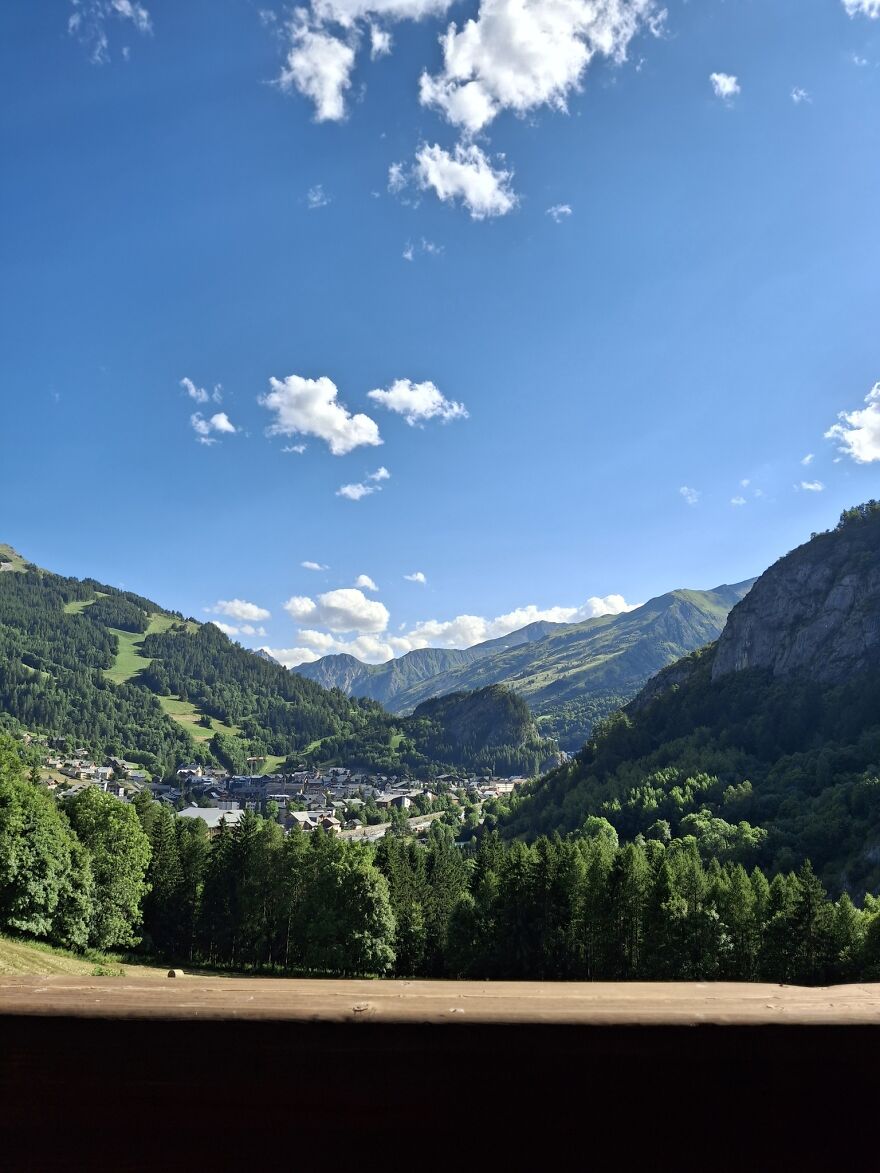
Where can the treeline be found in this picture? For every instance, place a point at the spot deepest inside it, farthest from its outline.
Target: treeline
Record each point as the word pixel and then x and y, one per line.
pixel 97 872
pixel 760 770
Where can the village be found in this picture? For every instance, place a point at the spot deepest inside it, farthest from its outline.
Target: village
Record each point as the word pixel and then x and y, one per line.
pixel 340 801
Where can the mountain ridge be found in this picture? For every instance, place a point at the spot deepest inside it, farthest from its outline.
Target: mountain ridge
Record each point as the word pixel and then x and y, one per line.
pixel 762 747
pixel 570 674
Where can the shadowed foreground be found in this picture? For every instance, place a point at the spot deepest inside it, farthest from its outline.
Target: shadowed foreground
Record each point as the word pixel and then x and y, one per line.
pixel 193 1072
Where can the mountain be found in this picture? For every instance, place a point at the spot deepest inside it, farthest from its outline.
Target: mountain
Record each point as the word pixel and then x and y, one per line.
pixel 571 675
pixel 765 746
pixel 402 677
pixel 118 674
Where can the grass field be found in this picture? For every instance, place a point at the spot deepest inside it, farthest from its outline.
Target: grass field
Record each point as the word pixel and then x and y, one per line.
pixel 20 958
pixel 7 554
pixel 77 606
pixel 272 764
pixel 186 714
pixel 130 660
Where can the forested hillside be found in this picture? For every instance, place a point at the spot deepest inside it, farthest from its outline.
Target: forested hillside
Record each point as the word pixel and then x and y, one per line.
pixel 95 872
pixel 120 675
pixel 570 675
pixel 764 748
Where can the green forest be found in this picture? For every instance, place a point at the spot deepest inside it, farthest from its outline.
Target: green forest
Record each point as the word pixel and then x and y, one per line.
pixel 96 873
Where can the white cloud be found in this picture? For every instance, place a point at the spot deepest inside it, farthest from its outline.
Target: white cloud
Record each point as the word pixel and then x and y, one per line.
pixel 397 178
pixel 204 428
pixel 199 394
pixel 320 63
pixel 244 629
pixel 366 488
pixel 869 8
pixel 299 449
pixel 745 483
pixel 812 486
pixel 380 42
pixel 466 630
pixel 316 197
pixel 239 609
pixel 737 500
pixel 808 459
pixel 859 430
pixel 87 22
pixel 313 566
pixel 521 54
pixel 319 66
pixel 466 175
pixel 416 576
pixel 559 212
pixel 346 609
pixel 365 583
pixel 725 86
pixel 691 496
pixel 425 246
pixel 418 402
pixel 226 628
pixel 309 407
pixel 799 95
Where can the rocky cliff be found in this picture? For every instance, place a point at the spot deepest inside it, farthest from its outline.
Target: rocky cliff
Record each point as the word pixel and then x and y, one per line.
pixel 814 612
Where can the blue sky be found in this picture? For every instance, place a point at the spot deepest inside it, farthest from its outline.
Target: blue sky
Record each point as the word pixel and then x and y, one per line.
pixel 641 280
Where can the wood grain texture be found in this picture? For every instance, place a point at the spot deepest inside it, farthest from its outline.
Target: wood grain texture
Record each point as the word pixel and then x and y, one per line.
pixel 454 1003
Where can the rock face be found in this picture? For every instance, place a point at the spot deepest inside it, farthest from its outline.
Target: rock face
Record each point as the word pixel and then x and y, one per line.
pixel 816 611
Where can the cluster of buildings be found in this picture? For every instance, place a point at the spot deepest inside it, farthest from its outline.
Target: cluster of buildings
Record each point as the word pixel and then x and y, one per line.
pixel 350 803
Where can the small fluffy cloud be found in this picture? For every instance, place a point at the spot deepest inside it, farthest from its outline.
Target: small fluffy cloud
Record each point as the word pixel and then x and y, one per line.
pixel 869 8
pixel 199 394
pixel 418 402
pixel 366 488
pixel 397 178
pixel 313 566
pixel 811 486
pixel 204 428
pixel 808 459
pixel 725 85
pixel 799 95
pixel 858 432
pixel 318 66
pixel 691 496
pixel 416 576
pixel 737 500
pixel 309 407
pixel 521 54
pixel 320 62
pixel 467 175
pixel 559 212
pixel 88 23
pixel 239 609
pixel 316 197
pixel 365 583
pixel 244 629
pixel 343 610
pixel 426 246
pixel 380 42
pixel 299 449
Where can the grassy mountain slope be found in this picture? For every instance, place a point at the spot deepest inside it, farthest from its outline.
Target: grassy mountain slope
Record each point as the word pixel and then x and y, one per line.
pixel 119 674
pixel 571 675
pixel 750 745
